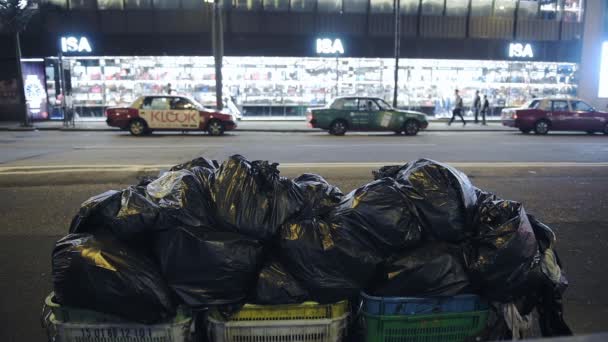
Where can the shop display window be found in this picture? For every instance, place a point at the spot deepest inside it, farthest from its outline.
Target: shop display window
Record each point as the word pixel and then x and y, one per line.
pixel 83 4
pixel 302 5
pixel 457 7
pixel 573 10
pixel 166 4
pixel 481 8
pixel 550 9
pixel 249 5
pixel 276 5
pixel 109 4
pixel 59 3
pixel 528 9
pixel 329 5
pixel 192 4
pixel 284 85
pixel 138 4
pixel 381 6
pixel 433 7
pixel 504 8
pixel 410 7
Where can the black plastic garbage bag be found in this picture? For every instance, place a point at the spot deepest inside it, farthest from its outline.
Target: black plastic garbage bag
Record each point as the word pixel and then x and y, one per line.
pixel 104 275
pixel 276 286
pixel 505 251
pixel 443 196
pixel 129 215
pixel 252 199
pixel 380 214
pixel 331 264
pixel 183 198
pixel 95 213
pixel 432 270
pixel 206 268
pixel 196 162
pixel 319 196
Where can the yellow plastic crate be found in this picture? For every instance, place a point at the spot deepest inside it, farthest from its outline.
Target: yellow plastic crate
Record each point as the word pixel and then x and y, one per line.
pixel 304 311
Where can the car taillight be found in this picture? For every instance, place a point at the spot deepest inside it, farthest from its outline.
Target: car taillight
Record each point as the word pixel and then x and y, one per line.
pixel 514 116
pixel 309 115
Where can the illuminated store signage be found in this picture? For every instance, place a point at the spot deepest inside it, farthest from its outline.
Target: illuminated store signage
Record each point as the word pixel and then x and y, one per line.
pixel 75 44
pixel 603 86
pixel 518 50
pixel 329 46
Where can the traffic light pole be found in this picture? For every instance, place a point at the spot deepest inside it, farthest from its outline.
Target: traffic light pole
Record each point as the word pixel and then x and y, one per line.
pixel 397 5
pixel 217 33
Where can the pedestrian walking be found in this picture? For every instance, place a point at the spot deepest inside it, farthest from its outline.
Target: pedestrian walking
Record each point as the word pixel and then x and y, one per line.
pixel 485 109
pixel 476 105
pixel 457 109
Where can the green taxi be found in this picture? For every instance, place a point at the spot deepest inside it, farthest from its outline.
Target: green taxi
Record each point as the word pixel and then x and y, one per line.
pixel 365 114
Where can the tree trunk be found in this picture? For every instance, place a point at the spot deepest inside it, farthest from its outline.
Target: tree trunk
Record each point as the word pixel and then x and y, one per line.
pixel 25 118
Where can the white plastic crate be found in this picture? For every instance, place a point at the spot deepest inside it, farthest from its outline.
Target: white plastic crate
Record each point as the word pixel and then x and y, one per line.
pixel 309 330
pixel 175 331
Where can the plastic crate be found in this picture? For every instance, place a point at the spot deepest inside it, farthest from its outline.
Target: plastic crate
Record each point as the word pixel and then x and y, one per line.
pixel 307 330
pixel 417 306
pixel 304 311
pixel 70 314
pixel 178 330
pixel 447 327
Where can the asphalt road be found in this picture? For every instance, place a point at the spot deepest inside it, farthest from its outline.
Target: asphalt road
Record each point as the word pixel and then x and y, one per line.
pixel 562 179
pixel 94 148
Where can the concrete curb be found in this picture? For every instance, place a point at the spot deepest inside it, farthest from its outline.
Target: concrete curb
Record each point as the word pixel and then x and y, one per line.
pixel 266 130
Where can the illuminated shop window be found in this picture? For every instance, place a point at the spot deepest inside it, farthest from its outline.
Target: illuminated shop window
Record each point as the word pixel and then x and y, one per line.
pixel 573 10
pixel 550 9
pixel 330 5
pixel 58 3
pixel 504 8
pixel 432 7
pixel 302 5
pixel 381 6
pixel 166 4
pixel 410 7
pixel 250 5
pixel 138 4
pixel 276 5
pixel 109 4
pixel 528 9
pixel 457 7
pixel 481 8
pixel 83 4
pixel 355 6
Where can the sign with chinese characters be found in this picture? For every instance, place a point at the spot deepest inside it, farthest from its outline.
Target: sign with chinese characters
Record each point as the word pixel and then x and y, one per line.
pixel 72 44
pixel 327 46
pixel 519 50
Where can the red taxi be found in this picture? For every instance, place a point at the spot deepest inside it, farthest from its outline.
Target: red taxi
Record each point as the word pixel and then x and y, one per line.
pixel 168 112
pixel 556 114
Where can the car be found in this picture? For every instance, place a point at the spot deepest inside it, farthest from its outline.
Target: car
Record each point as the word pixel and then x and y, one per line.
pixel 168 112
pixel 556 114
pixel 365 114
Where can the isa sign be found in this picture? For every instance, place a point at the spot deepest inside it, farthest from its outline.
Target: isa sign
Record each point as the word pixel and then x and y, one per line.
pixel 326 46
pixel 72 44
pixel 519 50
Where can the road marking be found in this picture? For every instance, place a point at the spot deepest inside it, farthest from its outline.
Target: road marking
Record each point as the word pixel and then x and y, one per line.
pixel 363 145
pixel 56 169
pixel 155 147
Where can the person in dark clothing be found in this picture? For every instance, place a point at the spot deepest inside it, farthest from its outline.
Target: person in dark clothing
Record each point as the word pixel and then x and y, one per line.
pixel 477 105
pixel 457 109
pixel 485 108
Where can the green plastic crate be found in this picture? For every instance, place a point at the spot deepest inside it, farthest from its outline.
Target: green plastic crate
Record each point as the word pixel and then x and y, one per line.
pixel 447 327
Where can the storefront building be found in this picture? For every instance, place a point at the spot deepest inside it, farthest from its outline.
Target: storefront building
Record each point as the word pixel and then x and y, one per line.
pixel 283 56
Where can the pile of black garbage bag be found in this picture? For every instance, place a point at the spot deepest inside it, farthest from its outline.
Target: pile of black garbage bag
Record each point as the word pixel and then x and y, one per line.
pixel 206 234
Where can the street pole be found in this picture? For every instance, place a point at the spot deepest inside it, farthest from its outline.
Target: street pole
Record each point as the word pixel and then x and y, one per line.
pixel 25 112
pixel 217 39
pixel 397 5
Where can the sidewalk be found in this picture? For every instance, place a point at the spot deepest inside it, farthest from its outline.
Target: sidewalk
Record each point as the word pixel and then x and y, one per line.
pixel 248 126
